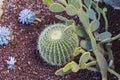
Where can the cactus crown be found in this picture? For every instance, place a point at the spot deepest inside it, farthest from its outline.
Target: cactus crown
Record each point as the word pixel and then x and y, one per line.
pixel 56 46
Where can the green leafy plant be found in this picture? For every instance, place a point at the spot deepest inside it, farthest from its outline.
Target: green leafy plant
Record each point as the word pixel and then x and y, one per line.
pixel 57 43
pixel 93 42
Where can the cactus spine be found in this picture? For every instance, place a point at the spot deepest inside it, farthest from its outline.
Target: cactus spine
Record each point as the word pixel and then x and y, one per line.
pixel 56 46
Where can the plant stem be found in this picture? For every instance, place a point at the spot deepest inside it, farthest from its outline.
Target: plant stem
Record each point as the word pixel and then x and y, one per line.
pixel 91 63
pixel 100 58
pixel 106 21
pixel 38 19
pixel 115 73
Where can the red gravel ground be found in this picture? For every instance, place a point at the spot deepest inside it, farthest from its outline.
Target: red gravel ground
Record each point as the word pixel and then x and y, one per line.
pixel 23 46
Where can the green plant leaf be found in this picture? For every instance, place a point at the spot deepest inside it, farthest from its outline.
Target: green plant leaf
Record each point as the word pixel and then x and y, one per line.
pixel 84 58
pixel 94 25
pixel 77 51
pixel 88 3
pixel 61 18
pixel 81 32
pixel 91 14
pixel 75 3
pixel 99 10
pixel 63 2
pixel 67 67
pixel 83 18
pixel 86 44
pixel 102 64
pixel 48 2
pixel 60 72
pixel 56 7
pixel 104 35
pixel 71 10
pixel 74 66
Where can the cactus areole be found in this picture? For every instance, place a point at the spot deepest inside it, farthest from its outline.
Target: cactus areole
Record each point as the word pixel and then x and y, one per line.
pixel 56 46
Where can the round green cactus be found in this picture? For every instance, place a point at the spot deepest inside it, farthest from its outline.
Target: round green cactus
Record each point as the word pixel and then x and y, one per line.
pixel 56 45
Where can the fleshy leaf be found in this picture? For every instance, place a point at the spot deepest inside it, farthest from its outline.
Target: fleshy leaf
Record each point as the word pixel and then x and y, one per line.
pixel 56 7
pixel 71 10
pixel 102 64
pixel 83 18
pixel 75 3
pixel 88 3
pixel 91 14
pixel 84 58
pixel 86 44
pixel 67 67
pixel 81 32
pixel 63 2
pixel 77 51
pixel 94 25
pixel 48 2
pixel 104 35
pixel 74 66
pixel 60 72
pixel 61 18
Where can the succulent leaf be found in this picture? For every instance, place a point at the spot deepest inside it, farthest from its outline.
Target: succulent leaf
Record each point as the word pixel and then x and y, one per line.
pixel 48 2
pixel 56 46
pixel 91 14
pixel 61 18
pixel 74 66
pixel 88 3
pixel 81 32
pixel 75 3
pixel 86 44
pixel 71 10
pixel 84 58
pixel 63 2
pixel 60 72
pixel 83 18
pixel 56 7
pixel 104 35
pixel 67 67
pixel 77 51
pixel 94 25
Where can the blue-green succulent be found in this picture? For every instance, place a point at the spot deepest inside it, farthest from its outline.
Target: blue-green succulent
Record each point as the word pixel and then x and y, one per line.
pixel 4 35
pixel 26 16
pixel 56 44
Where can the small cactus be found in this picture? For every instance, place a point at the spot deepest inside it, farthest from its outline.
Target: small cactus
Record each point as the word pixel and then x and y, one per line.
pixel 56 46
pixel 10 63
pixel 26 16
pixel 4 35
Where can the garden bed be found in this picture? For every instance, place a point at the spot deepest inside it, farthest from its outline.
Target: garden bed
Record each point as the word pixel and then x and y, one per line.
pixel 23 45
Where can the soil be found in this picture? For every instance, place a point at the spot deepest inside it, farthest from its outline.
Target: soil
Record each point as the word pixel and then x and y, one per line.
pixel 23 45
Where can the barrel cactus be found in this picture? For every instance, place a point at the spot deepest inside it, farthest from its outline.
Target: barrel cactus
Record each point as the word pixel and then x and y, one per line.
pixel 56 45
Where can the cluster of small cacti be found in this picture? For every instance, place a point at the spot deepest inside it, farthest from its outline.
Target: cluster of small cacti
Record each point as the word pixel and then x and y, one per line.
pixel 56 45
pixel 4 35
